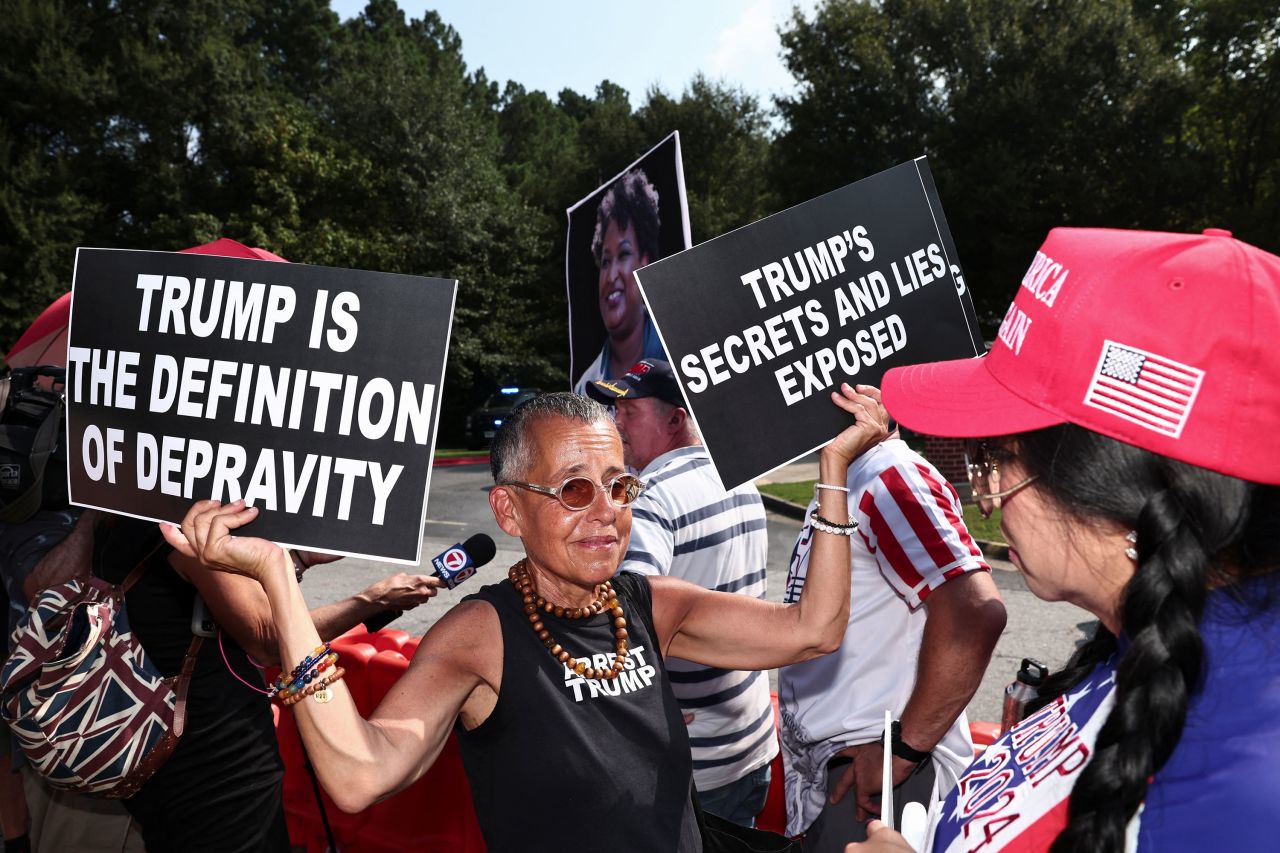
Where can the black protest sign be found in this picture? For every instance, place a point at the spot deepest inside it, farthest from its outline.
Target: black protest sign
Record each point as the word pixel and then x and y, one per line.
pixel 763 322
pixel 310 392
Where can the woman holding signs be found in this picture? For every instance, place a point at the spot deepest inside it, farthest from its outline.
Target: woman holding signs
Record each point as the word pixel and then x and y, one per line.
pixel 554 679
pixel 1128 441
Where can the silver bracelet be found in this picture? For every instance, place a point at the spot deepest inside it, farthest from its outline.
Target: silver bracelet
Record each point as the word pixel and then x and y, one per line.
pixel 823 525
pixel 299 565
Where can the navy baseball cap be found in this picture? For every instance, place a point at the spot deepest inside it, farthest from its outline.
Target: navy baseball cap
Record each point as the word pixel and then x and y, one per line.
pixel 648 377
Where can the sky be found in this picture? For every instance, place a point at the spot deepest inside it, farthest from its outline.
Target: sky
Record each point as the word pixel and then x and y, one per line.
pixel 557 44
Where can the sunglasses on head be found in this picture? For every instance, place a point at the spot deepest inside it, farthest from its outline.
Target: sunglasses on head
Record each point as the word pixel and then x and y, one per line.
pixel 578 493
pixel 982 463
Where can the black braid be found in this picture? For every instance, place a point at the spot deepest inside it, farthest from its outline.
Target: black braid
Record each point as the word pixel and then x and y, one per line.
pixel 1161 614
pixel 1194 527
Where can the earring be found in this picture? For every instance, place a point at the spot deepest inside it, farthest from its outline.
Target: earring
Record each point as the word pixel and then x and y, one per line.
pixel 1132 552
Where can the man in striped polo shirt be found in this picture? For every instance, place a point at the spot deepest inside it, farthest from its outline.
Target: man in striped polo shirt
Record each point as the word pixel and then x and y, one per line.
pixel 924 618
pixel 686 525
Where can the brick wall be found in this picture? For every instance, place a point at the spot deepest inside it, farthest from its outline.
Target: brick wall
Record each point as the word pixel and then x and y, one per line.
pixel 947 455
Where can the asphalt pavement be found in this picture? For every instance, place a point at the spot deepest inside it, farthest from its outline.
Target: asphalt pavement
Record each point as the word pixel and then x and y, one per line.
pixel 458 507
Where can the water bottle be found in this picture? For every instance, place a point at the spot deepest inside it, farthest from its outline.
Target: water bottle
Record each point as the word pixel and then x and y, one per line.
pixel 1021 691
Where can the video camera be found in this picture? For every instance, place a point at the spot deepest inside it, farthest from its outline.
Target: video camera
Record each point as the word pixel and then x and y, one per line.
pixel 33 460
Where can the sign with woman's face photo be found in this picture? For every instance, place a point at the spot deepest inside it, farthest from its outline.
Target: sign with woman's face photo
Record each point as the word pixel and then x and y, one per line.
pixel 636 218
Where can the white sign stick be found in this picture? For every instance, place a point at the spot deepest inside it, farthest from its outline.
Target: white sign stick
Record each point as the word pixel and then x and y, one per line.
pixel 886 776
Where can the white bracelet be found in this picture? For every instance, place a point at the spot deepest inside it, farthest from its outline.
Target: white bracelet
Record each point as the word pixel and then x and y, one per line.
pixel 828 487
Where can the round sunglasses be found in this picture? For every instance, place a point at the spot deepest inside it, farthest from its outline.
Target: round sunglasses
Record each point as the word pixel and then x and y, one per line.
pixel 578 493
pixel 982 462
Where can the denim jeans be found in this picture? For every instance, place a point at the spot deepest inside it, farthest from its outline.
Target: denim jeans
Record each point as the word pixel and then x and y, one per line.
pixel 739 801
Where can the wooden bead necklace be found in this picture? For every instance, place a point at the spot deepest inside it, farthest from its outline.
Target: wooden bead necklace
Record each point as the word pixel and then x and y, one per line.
pixel 535 605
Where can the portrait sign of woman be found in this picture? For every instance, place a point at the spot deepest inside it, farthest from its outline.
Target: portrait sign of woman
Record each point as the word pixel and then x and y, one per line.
pixel 637 215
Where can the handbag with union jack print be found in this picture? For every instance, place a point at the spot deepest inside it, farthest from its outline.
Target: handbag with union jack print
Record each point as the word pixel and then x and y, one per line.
pixel 91 712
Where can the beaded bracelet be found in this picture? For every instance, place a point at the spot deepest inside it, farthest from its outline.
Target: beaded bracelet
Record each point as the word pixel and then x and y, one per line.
pixel 310 661
pixel 300 682
pixel 318 690
pixel 301 674
pixel 826 526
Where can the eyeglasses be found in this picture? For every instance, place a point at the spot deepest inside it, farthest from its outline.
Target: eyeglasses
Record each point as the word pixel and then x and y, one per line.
pixel 578 493
pixel 983 466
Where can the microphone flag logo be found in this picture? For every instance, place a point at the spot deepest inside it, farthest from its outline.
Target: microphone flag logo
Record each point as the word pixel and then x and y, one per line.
pixel 454 566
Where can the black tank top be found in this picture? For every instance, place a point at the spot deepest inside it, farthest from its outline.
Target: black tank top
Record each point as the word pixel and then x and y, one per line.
pixel 220 791
pixel 566 763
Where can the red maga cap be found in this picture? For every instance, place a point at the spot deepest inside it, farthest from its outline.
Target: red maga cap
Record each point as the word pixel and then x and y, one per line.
pixel 1170 342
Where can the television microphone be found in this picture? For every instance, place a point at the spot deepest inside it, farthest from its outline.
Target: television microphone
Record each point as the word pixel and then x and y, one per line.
pixel 453 566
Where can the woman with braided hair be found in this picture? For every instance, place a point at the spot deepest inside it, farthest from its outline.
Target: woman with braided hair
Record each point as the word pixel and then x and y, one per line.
pixel 1129 408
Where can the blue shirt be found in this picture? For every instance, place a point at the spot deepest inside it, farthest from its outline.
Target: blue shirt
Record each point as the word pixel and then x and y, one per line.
pixel 1218 791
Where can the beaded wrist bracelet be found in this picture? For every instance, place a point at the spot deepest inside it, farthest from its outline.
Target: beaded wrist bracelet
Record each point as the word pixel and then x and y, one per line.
pixel 301 685
pixel 304 673
pixel 825 526
pixel 318 690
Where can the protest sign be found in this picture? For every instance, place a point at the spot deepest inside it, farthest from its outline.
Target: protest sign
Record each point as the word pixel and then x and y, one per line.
pixel 635 218
pixel 763 322
pixel 311 392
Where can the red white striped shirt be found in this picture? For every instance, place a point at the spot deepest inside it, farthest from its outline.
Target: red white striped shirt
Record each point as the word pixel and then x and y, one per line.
pixel 911 539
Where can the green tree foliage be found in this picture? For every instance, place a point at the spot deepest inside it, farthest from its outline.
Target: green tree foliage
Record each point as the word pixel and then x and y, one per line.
pixel 435 201
pixel 1232 52
pixel 370 143
pixel 127 123
pixel 366 143
pixel 1037 113
pixel 725 148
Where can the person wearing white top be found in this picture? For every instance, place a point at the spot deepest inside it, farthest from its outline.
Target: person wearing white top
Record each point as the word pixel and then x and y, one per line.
pixel 924 618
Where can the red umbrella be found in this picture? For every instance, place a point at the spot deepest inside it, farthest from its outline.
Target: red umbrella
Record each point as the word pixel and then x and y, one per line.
pixel 45 340
pixel 232 249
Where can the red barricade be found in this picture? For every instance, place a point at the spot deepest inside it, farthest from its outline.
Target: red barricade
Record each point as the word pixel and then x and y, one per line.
pixel 984 734
pixel 433 814
pixel 302 812
pixel 389 640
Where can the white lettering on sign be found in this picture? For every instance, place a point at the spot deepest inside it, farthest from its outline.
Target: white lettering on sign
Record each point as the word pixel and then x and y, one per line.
pixel 190 468
pixel 812 265
pixel 923 266
pixel 278 396
pixel 250 314
pixel 756 345
pixel 817 371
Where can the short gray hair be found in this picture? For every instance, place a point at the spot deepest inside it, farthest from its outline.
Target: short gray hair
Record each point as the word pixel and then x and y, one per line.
pixel 509 455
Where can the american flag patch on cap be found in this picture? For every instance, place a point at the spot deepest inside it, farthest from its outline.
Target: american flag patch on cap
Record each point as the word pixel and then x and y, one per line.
pixel 1144 388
